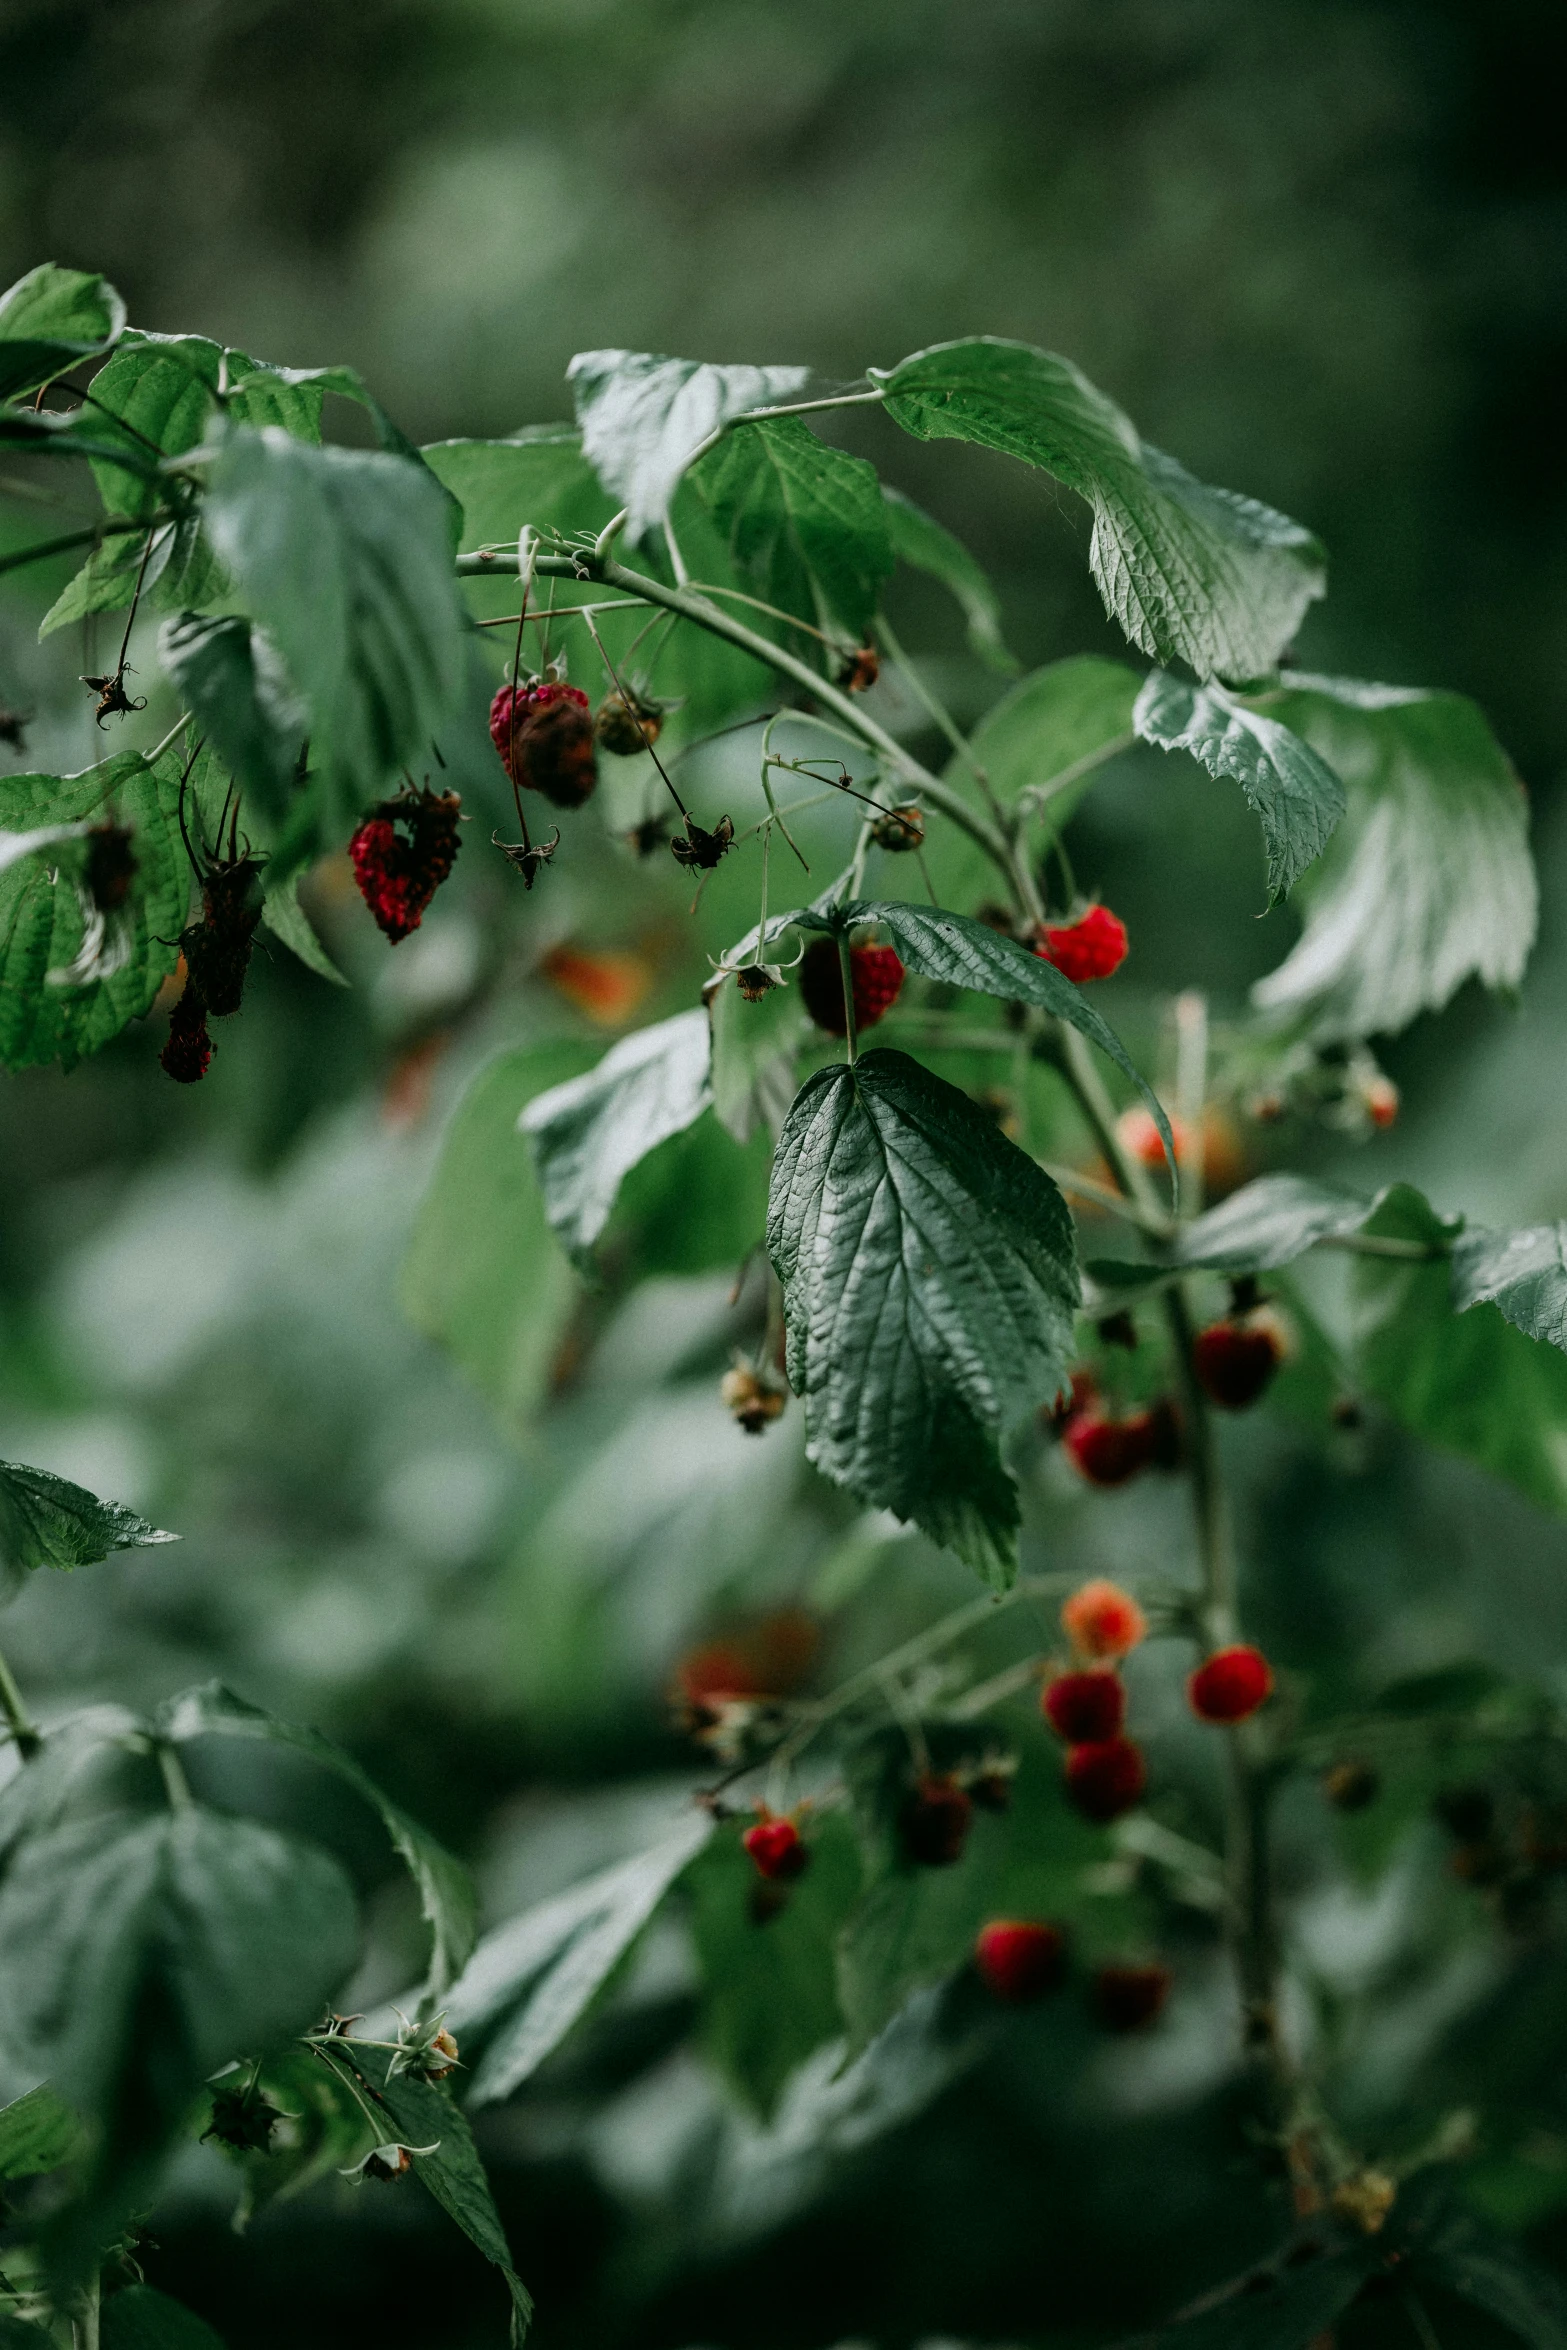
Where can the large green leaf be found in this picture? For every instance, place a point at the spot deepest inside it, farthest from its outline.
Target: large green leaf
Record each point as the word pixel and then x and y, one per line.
pixel 1187 571
pixel 806 524
pixel 1523 1274
pixel 927 545
pixel 230 679
pixel 141 2318
pixel 1297 797
pixel 929 1282
pixel 344 557
pixel 51 320
pixel 445 1892
pixel 46 1521
pixel 644 417
pixel 753 1056
pixel 38 2132
pixel 1429 881
pixel 42 923
pixel 589 1133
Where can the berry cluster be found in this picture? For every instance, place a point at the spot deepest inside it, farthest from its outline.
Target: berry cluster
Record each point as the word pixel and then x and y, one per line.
pixel 1108 1447
pixel 1021 1960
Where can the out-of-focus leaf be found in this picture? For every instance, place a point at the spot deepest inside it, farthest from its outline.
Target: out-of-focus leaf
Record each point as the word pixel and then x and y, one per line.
pixel 696 1203
pixel 806 523
pixel 230 679
pixel 1523 1274
pixel 46 1521
pixel 643 418
pixel 286 918
pixel 1188 572
pixel 918 539
pixel 52 319
pixel 1267 1223
pixel 1283 2305
pixel 753 1056
pixel 1429 880
pixel 1492 2274
pixel 539 477
pixel 929 1281
pixel 590 1132
pixel 141 2318
pixel 37 2133
pixel 1297 797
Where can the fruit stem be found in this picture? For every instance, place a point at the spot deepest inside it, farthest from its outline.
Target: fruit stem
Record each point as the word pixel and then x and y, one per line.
pixel 850 1037
pixel 22 1726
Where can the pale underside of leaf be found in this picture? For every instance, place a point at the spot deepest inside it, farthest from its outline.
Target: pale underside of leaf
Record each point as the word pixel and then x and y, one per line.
pixel 1298 799
pixel 644 417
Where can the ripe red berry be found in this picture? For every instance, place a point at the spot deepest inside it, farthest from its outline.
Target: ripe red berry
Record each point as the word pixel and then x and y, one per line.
pixel 1380 1096
pixel 1020 1961
pixel 1235 1361
pixel 1085 1707
pixel 1102 1620
pixel 935 1821
pixel 776 1850
pixel 1108 1451
pixel 1090 948
pixel 876 974
pixel 1105 1778
pixel 401 854
pixel 1130 1997
pixel 1230 1684
pixel 544 734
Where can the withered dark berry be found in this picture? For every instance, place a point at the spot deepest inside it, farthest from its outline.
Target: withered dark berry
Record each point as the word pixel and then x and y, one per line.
pixel 752 1401
pixel 543 732
pixel 1105 1778
pixel 1085 1708
pixel 1351 1786
pixel 187 1056
pixel 899 830
pixel 1235 1361
pixel 1230 1684
pixel 1020 1961
pixel 1090 948
pixel 243 2120
pixel 110 867
pixel 1131 1997
pixel 860 671
pixel 625 724
pixel 217 947
pixel 402 853
pixel 776 1850
pixel 875 974
pixel 935 1819
pixel 699 850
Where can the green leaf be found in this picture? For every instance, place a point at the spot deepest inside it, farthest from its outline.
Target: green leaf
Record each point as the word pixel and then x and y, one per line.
pixel 344 557
pixel 643 418
pixel 1492 2274
pixel 1284 2304
pixel 1187 572
pixel 1523 1274
pixel 1297 797
pixel 1467 1382
pixel 482 1275
pixel 287 920
pixel 696 1204
pixel 445 1891
pixel 42 923
pixel 1429 881
pixel 806 524
pixel 141 2318
pixel 950 947
pixel 539 476
pixel 529 1981
pixel 38 2133
pixel 232 682
pixel 50 320
pixel 753 1056
pixel 919 540
pixel 1268 1223
pixel 424 2113
pixel 45 1521
pixel 929 1282
pixel 589 1133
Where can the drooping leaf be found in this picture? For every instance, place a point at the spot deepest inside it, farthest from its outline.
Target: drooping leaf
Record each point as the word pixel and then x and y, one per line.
pixel 589 1133
pixel 1493 2274
pixel 1283 2304
pixel 929 1280
pixel 231 680
pixel 46 1521
pixel 287 920
pixel 1429 880
pixel 42 921
pixel 921 541
pixel 806 524
pixel 695 1204
pixel 753 1055
pixel 345 558
pixel 1187 571
pixel 643 418
pixel 1263 1225
pixel 445 1891
pixel 1523 1274
pixel 1298 798
pixel 51 320
pixel 141 2318
pixel 38 2132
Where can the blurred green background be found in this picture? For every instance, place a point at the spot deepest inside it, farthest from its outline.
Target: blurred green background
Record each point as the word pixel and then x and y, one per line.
pixel 1318 251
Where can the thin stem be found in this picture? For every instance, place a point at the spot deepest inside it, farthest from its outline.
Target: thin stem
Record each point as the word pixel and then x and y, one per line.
pixel 175 1784
pixel 76 538
pixel 943 719
pixel 1037 797
pixel 789 408
pixel 851 1038
pixel 23 1728
pixel 84 2316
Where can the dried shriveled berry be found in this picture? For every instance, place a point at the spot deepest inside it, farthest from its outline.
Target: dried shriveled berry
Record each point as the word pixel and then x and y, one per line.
pixel 1235 1361
pixel 860 671
pixel 776 1850
pixel 1085 1708
pixel 1351 1786
pixel 699 850
pixel 1131 1997
pixel 1020 1960
pixel 1230 1684
pixel 1102 1620
pixel 1109 1451
pixel 875 974
pixel 187 1056
pixel 243 2120
pixel 935 1819
pixel 217 947
pixel 543 732
pixel 991 1785
pixel 1090 948
pixel 754 1402
pixel 900 830
pixel 110 867
pixel 625 724
pixel 402 853
pixel 1105 1778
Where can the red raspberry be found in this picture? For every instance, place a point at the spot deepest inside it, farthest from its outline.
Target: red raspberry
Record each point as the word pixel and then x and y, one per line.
pixel 1102 1620
pixel 1107 1451
pixel 544 735
pixel 1105 1778
pixel 935 1821
pixel 188 1054
pixel 401 855
pixel 1084 1708
pixel 1130 1997
pixel 1235 1361
pixel 1090 948
pixel 1380 1096
pixel 876 974
pixel 1020 1961
pixel 1230 1684
pixel 776 1849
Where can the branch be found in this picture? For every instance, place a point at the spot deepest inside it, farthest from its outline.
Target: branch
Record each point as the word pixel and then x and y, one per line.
pixel 91 536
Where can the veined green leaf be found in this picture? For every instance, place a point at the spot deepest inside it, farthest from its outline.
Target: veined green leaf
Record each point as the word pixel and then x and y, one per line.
pixel 1523 1274
pixel 1429 881
pixel 46 1521
pixel 806 524
pixel 231 680
pixel 1269 1223
pixel 538 477
pixel 37 2133
pixel 1297 797
pixel 1186 571
pixel 929 1282
pixel 589 1133
pixel 643 418
pixel 927 545
pixel 51 320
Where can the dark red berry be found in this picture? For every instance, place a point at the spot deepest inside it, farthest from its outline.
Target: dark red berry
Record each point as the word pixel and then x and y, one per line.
pixel 1230 1684
pixel 1130 1997
pixel 1020 1961
pixel 1234 1361
pixel 776 1850
pixel 401 855
pixel 544 734
pixel 1085 1708
pixel 935 1821
pixel 188 1054
pixel 217 948
pixel 1108 1451
pixel 1090 948
pixel 875 973
pixel 1105 1778
pixel 110 867
pixel 1102 1620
